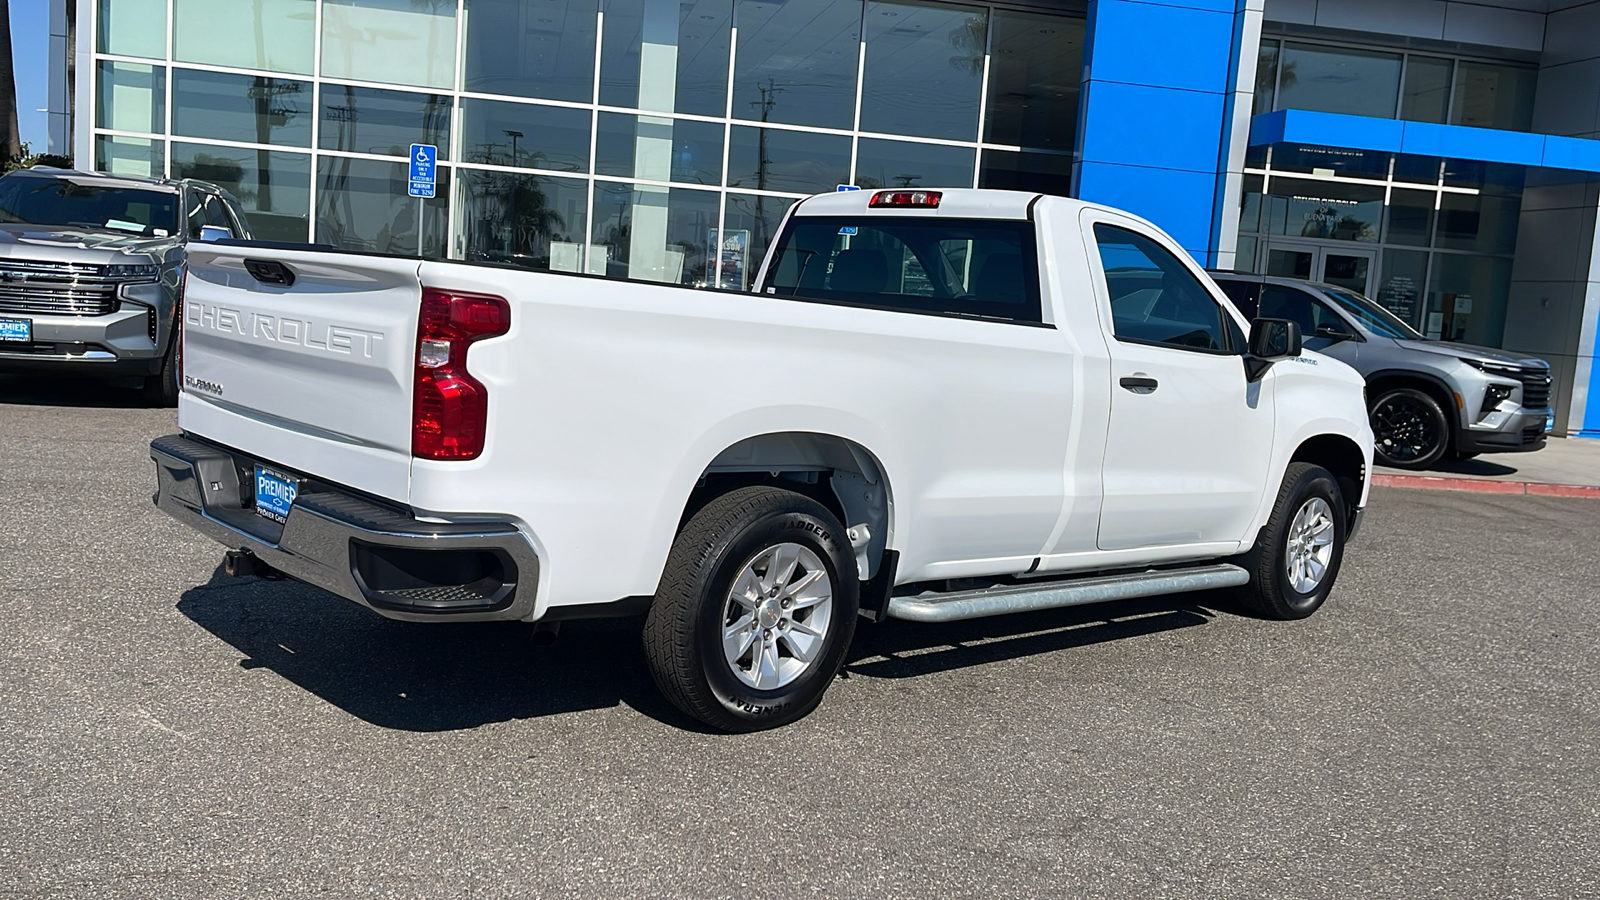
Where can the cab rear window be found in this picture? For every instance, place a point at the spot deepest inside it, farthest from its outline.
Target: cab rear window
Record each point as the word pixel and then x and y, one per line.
pixel 981 268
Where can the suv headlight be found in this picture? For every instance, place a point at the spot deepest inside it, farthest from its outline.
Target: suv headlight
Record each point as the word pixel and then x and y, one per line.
pixel 1494 368
pixel 132 272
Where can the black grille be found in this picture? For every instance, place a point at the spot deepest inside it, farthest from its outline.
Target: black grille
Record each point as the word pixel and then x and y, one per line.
pixel 56 289
pixel 1536 388
pixel 1532 434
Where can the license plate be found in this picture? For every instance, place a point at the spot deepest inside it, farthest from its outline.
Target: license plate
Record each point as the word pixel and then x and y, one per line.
pixel 16 330
pixel 275 494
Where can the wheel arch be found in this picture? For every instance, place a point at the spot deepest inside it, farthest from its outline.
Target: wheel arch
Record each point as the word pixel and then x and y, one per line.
pixel 1342 457
pixel 838 472
pixel 1385 380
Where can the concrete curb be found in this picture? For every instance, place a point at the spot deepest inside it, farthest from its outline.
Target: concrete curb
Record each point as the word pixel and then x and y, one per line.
pixel 1483 486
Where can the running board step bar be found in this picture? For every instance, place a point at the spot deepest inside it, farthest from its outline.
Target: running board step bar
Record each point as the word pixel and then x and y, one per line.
pixel 998 601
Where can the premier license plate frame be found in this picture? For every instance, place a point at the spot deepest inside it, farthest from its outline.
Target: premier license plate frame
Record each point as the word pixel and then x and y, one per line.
pixel 275 494
pixel 18 331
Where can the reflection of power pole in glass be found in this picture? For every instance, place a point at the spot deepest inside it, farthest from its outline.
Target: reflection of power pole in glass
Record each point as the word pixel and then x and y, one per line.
pixel 769 99
pixel 515 136
pixel 270 113
pixel 906 180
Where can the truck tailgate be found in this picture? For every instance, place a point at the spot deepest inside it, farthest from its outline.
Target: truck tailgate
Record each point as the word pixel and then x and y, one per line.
pixel 314 376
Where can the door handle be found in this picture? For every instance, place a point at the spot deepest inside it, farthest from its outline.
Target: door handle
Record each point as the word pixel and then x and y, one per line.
pixel 1140 384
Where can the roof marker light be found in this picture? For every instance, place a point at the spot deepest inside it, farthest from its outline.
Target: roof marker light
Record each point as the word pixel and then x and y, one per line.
pixel 923 199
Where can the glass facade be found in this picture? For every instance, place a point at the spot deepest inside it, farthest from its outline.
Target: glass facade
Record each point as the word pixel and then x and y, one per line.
pixel 1390 84
pixel 640 139
pixel 1439 234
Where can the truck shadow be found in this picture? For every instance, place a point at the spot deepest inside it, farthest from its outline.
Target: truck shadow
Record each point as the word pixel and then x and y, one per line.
pixel 50 389
pixel 444 677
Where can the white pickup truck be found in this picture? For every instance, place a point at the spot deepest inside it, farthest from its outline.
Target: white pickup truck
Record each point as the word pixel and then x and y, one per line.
pixel 935 405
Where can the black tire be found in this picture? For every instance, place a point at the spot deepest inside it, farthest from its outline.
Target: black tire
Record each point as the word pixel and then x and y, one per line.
pixel 161 389
pixel 1271 591
pixel 683 634
pixel 1410 429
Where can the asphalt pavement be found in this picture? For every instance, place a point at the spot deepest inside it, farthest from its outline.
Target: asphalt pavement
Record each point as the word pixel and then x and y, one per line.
pixel 169 732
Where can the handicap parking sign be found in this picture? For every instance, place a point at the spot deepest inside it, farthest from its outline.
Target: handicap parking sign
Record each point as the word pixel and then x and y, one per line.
pixel 424 158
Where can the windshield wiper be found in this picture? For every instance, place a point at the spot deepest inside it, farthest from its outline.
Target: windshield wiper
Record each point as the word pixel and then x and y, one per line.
pixel 798 278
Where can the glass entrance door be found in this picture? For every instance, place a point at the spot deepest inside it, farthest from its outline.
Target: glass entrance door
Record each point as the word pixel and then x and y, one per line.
pixel 1348 267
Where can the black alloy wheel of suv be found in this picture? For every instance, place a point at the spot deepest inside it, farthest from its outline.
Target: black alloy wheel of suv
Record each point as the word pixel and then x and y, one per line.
pixel 1409 429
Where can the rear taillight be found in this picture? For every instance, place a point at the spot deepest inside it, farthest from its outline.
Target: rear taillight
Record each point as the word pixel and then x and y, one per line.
pixel 450 408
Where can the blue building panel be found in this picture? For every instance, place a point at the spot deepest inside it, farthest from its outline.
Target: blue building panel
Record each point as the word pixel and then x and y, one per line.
pixel 1578 154
pixel 1162 46
pixel 1463 142
pixel 1179 202
pixel 1161 127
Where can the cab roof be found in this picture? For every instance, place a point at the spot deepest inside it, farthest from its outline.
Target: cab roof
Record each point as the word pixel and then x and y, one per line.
pixel 962 203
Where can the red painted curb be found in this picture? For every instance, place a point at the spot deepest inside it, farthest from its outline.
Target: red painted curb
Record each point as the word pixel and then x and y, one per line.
pixel 1484 486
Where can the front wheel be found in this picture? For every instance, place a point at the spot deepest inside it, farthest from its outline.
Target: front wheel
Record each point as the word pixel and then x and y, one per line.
pixel 1409 429
pixel 161 389
pixel 755 612
pixel 1297 554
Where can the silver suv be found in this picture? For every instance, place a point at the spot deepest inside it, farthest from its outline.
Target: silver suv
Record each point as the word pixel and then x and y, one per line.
pixel 1428 399
pixel 91 268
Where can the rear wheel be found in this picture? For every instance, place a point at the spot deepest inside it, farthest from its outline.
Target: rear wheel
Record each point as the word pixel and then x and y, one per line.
pixel 1409 429
pixel 1297 554
pixel 755 612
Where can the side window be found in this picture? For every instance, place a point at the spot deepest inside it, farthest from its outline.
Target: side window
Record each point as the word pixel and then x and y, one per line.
pixel 1154 297
pixel 1243 294
pixel 1295 305
pixel 216 213
pixel 194 213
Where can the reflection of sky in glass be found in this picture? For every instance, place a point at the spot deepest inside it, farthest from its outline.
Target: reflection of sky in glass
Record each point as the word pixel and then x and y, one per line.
pixel 700 36
pixel 1339 80
pixel 797 61
pixel 924 70
pixel 531 49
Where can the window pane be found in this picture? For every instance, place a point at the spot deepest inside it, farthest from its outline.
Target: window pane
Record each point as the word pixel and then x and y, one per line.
pixel 390 41
pixel 659 149
pixel 1266 77
pixel 1035 65
pixel 750 225
pixel 525 135
pixel 665 56
pixel 1411 217
pixel 796 61
pixel 362 205
pixel 1467 298
pixel 130 156
pixel 369 120
pixel 649 233
pixel 1400 291
pixel 279 35
pixel 962 266
pixel 1336 160
pixel 132 97
pixel 1416 169
pixel 1250 204
pixel 924 71
pixel 134 28
pixel 1427 91
pixel 273 187
pixel 881 163
pixel 1321 209
pixel 254 109
pixel 1048 173
pixel 772 159
pixel 526 49
pixel 1245 257
pixel 1499 179
pixel 1339 80
pixel 1154 297
pixel 534 221
pixel 1491 96
pixel 1481 223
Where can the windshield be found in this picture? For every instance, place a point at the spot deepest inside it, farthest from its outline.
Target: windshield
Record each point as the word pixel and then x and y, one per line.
pixel 60 201
pixel 1377 319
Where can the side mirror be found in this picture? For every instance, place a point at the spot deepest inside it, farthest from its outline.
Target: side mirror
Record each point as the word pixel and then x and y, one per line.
pixel 1271 340
pixel 211 233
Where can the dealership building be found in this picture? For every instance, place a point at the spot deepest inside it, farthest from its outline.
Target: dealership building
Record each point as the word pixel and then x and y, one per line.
pixel 1442 157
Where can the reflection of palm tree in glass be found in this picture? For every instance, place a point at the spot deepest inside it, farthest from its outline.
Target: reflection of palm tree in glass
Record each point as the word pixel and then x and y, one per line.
pixel 971 38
